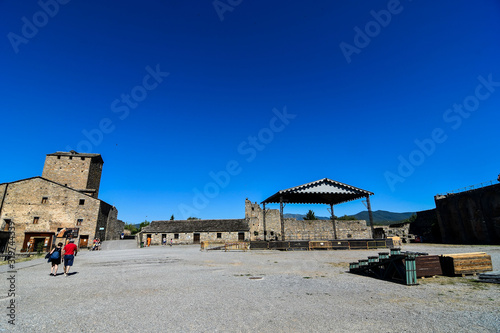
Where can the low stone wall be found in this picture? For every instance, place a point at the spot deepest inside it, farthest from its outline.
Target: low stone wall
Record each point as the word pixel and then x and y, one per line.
pixel 323 229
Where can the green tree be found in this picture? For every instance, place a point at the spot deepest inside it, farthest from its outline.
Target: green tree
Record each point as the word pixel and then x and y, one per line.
pixel 347 218
pixel 172 217
pixel 310 216
pixel 144 224
pixel 193 218
pixel 411 219
pixel 133 229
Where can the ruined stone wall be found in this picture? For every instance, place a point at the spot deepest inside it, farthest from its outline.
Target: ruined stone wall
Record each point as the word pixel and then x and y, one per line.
pixel 255 217
pixel 353 229
pixel 402 231
pixel 471 217
pixel 308 229
pixel 61 209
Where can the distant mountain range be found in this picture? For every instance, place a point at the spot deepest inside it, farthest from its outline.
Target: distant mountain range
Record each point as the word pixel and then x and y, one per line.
pixel 379 216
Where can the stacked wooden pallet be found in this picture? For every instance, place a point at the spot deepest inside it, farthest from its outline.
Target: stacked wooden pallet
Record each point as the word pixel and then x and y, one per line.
pixel 466 263
pixel 428 266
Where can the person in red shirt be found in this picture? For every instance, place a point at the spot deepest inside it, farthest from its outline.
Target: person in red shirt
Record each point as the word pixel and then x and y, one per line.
pixel 70 251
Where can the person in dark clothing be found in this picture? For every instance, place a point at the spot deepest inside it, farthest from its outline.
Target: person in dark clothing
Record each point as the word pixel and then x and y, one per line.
pixel 55 261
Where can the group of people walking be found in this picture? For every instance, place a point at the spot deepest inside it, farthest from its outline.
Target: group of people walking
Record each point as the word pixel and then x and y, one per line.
pixel 58 253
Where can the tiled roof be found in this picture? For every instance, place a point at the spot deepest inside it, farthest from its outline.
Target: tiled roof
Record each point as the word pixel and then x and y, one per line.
pixel 185 226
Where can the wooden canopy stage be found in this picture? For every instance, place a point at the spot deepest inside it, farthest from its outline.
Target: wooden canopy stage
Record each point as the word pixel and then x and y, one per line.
pixel 323 191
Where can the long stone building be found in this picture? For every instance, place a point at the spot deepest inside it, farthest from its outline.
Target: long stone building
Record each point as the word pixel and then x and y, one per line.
pixel 62 203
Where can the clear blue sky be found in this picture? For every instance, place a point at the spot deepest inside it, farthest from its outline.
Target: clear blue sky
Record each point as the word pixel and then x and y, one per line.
pixel 398 98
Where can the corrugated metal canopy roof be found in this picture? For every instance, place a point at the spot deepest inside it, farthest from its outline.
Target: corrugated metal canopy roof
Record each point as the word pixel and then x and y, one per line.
pixel 323 191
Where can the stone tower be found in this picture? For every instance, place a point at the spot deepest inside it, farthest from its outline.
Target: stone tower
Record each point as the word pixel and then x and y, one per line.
pixel 81 172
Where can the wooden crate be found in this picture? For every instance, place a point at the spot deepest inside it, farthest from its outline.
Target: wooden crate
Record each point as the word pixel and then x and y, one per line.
pixel 428 266
pixel 320 245
pixel 466 263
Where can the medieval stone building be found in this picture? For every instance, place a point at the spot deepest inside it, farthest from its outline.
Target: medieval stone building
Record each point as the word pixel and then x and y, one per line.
pixel 62 203
pixel 194 231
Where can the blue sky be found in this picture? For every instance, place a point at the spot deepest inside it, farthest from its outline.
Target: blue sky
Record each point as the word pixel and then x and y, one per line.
pixel 197 105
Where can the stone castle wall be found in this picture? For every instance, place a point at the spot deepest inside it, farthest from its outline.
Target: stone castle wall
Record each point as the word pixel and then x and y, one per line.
pixel 353 229
pixel 471 217
pixel 255 217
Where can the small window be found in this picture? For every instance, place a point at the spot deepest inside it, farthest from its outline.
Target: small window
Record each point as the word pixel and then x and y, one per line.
pixel 79 222
pixel 272 233
pixel 71 157
pixel 349 236
pixel 83 158
pixel 44 200
pixel 58 157
pixel 82 202
pixel 255 233
pixel 7 225
pixel 219 235
pixel 36 219
pixel 176 236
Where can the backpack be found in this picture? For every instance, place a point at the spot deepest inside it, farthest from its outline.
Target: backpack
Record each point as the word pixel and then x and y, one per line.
pixel 55 255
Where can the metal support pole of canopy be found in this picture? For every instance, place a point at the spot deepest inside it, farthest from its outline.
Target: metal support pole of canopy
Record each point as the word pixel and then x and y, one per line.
pixel 264 220
pixel 281 220
pixel 370 215
pixel 333 222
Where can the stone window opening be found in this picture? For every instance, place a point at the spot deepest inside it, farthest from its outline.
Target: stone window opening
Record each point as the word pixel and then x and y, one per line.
pixel 176 236
pixel 82 202
pixel 83 158
pixel 71 157
pixel 349 236
pixel 219 235
pixel 36 219
pixel 272 233
pixel 44 200
pixel 7 225
pixel 79 222
pixel 58 157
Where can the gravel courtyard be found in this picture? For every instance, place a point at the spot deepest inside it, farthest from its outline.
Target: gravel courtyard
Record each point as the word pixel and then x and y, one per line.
pixel 181 289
